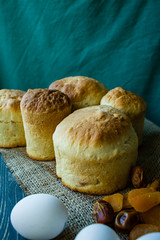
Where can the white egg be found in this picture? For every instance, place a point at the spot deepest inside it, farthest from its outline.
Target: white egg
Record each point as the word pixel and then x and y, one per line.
pixel 39 216
pixel 150 236
pixel 97 231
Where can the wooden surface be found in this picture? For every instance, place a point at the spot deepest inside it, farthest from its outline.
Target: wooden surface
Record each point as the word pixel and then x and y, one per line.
pixel 10 194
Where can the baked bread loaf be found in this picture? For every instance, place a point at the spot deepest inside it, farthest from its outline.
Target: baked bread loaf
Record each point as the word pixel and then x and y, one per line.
pixel 82 91
pixel 11 125
pixel 129 103
pixel 95 148
pixel 42 110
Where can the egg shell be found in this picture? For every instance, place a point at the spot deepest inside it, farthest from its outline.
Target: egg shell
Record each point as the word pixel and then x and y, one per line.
pixel 39 216
pixel 150 236
pixel 97 231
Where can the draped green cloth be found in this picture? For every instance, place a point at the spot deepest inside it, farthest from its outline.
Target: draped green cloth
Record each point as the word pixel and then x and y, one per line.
pixel 115 41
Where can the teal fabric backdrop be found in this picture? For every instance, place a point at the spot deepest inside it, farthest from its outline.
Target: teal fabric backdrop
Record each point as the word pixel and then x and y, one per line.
pixel 115 41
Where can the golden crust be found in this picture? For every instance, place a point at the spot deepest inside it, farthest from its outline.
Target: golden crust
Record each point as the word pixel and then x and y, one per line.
pixel 10 99
pixel 95 125
pixel 131 104
pixel 42 110
pixel 83 91
pixel 95 148
pixel 44 101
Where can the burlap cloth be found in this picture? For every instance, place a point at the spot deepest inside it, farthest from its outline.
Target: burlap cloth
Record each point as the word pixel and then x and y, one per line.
pixel 40 177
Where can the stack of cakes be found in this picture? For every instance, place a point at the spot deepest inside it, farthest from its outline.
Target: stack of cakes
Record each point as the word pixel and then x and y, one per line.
pixel 92 133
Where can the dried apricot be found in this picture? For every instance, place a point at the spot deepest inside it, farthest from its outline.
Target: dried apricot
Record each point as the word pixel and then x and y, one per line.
pixel 152 216
pixel 140 191
pixel 116 201
pixel 126 203
pixel 143 199
pixel 141 229
pixel 155 185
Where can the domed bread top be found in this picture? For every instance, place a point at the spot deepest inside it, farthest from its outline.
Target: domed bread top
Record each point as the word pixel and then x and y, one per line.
pixel 95 125
pixel 95 148
pixel 132 104
pixel 83 91
pixel 10 99
pixel 44 100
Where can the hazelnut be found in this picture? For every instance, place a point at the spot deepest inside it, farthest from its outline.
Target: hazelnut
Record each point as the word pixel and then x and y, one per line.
pixel 103 212
pixel 137 177
pixel 126 220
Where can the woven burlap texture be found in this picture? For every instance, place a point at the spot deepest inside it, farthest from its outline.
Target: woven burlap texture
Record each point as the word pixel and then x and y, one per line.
pixel 40 177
